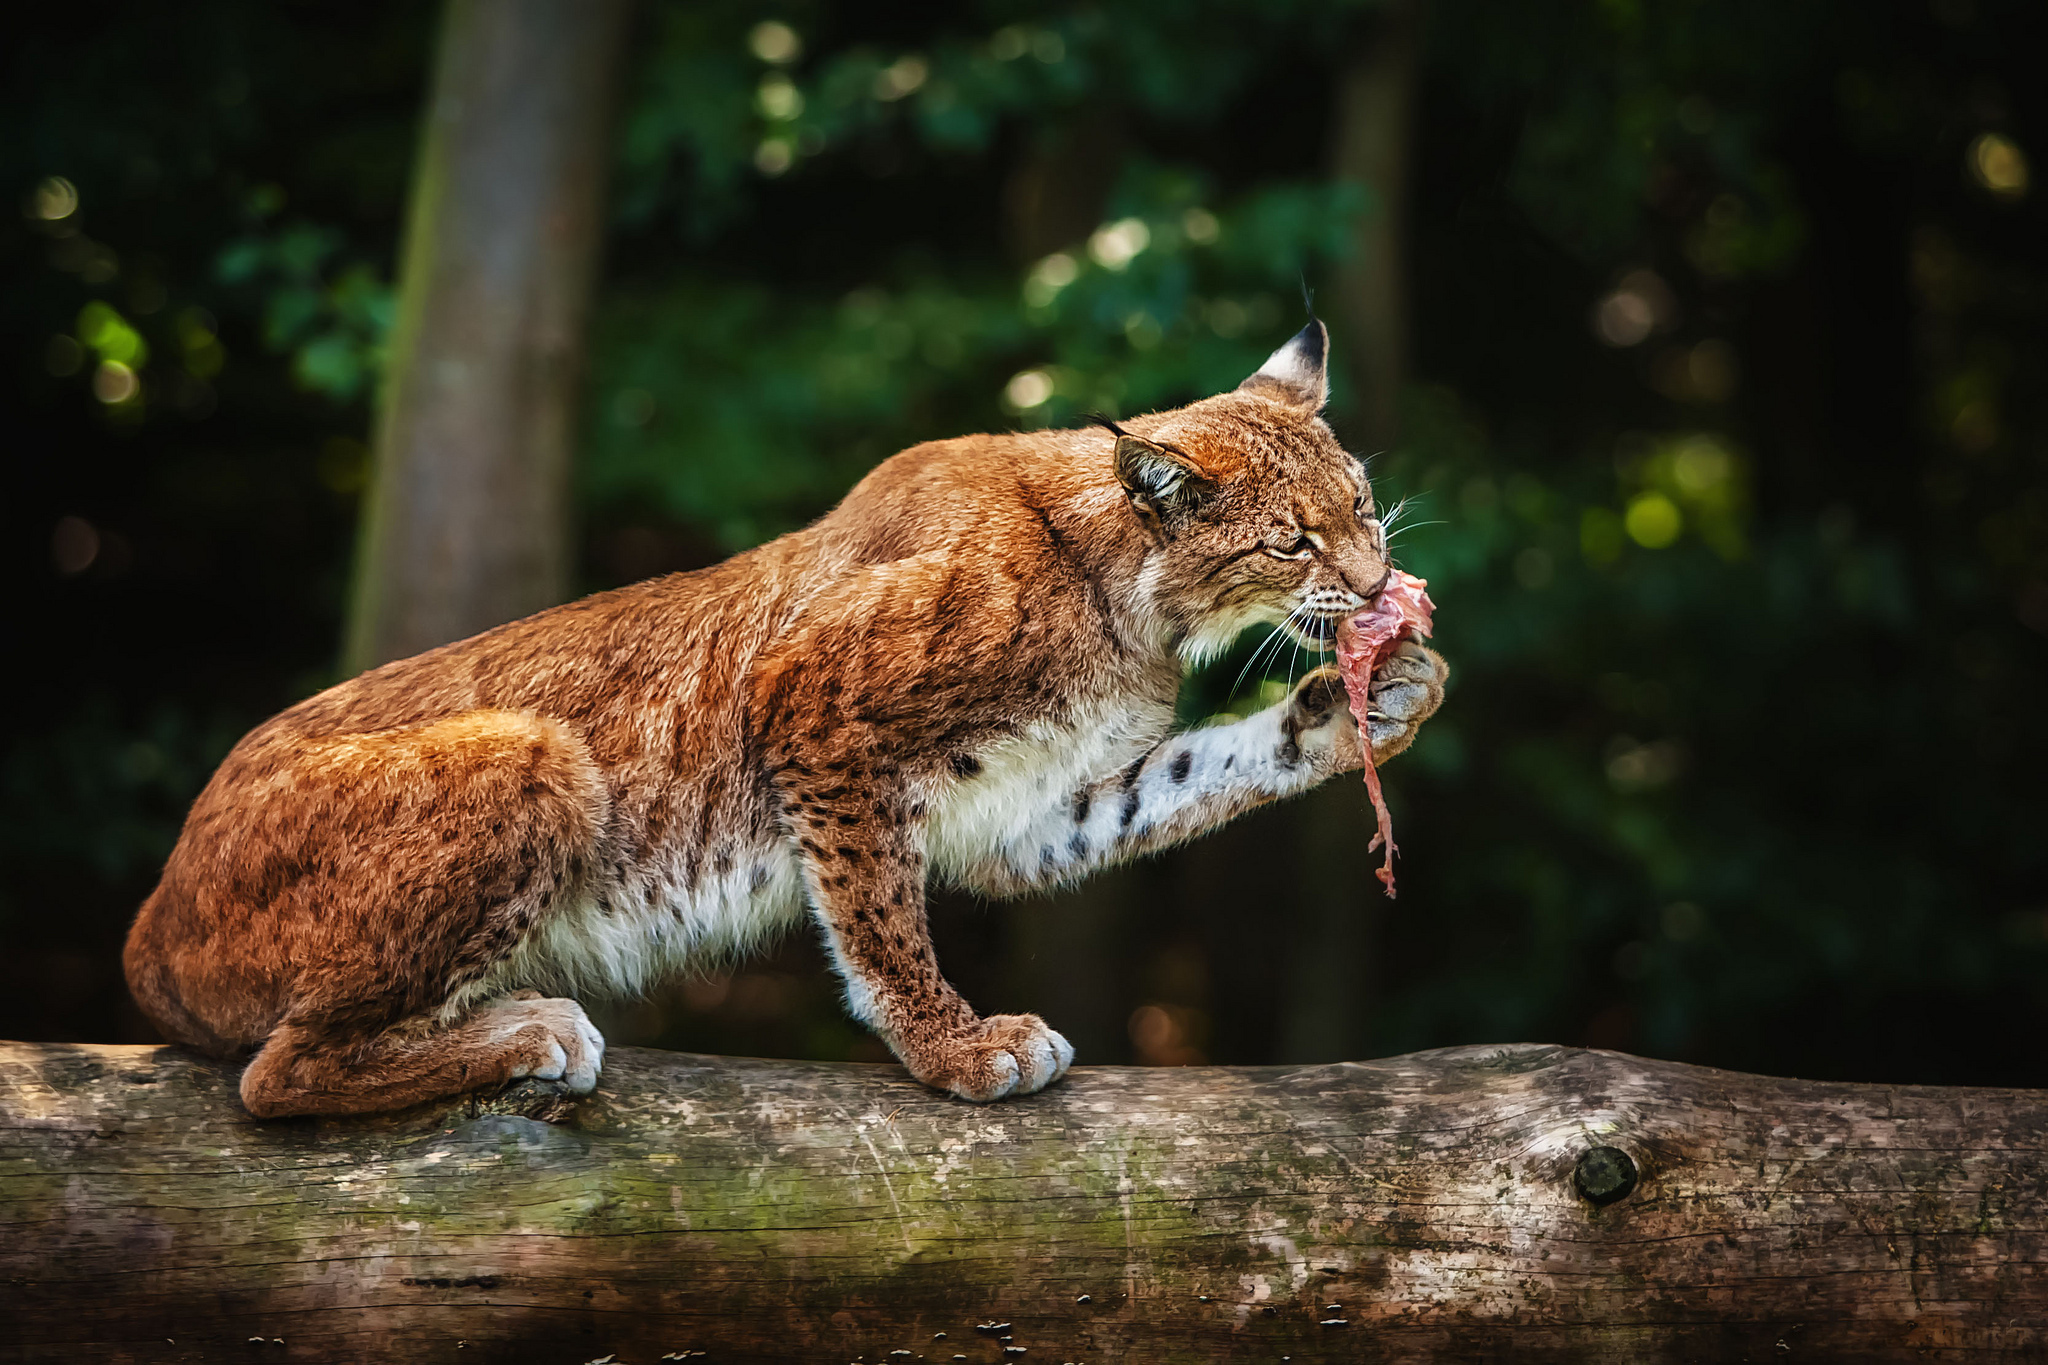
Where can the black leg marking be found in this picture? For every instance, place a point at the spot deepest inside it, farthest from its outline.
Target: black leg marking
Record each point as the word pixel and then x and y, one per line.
pixel 1183 763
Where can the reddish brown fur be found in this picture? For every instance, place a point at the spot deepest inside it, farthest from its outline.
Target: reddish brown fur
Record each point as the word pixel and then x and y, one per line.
pixel 623 786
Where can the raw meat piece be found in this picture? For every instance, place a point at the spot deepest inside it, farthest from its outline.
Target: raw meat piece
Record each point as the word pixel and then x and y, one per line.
pixel 1362 642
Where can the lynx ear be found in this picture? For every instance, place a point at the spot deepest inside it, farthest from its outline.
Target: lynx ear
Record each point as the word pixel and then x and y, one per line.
pixel 1159 480
pixel 1297 374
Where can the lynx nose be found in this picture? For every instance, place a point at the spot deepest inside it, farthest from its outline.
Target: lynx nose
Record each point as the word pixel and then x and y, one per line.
pixel 1370 594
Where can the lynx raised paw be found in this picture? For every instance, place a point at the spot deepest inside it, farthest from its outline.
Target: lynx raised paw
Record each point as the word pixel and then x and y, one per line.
pixel 1000 1056
pixel 558 1041
pixel 1406 690
pixel 1318 723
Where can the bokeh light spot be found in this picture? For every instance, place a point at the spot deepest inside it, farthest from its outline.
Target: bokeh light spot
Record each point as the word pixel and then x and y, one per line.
pixel 1997 163
pixel 54 199
pixel 1701 465
pixel 901 77
pixel 775 42
pixel 114 383
pixel 1164 1035
pixel 1652 520
pixel 1639 305
pixel 1115 245
pixel 1028 389
pixel 108 333
pixel 1049 277
pixel 778 97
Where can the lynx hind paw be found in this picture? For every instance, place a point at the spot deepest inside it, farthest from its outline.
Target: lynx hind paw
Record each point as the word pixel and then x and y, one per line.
pixel 557 1041
pixel 1007 1054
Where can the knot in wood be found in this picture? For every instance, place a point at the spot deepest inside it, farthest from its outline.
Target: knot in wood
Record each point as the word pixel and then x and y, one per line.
pixel 1604 1175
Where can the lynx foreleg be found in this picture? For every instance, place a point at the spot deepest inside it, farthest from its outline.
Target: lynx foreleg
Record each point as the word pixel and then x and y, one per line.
pixel 861 838
pixel 1192 782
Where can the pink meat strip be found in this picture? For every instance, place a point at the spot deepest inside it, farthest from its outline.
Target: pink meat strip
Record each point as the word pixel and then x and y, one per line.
pixel 1362 642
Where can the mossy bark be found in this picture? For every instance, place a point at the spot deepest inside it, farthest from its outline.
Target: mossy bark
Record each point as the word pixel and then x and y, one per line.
pixel 1440 1206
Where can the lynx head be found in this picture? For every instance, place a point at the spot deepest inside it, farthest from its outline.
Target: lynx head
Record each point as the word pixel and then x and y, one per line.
pixel 1255 513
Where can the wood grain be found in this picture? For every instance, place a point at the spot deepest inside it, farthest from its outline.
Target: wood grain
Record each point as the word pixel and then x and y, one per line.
pixel 1429 1207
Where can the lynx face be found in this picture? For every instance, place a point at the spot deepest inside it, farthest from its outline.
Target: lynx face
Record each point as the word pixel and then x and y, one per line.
pixel 1258 514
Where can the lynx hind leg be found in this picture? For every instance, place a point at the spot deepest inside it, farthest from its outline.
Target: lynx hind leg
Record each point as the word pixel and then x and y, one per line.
pixel 441 851
pixel 304 1071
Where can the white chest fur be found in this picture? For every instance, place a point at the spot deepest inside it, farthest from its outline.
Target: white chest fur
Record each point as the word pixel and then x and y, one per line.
pixel 991 815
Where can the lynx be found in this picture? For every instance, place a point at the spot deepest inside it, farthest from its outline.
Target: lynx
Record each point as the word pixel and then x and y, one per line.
pixel 391 892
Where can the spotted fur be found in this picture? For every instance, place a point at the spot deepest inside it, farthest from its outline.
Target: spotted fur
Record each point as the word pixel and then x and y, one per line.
pixel 967 670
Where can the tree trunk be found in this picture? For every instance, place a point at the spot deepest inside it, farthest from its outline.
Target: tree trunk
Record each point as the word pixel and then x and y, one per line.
pixel 1375 100
pixel 467 523
pixel 1534 1203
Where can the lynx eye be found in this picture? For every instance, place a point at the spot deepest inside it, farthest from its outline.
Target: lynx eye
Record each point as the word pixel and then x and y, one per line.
pixel 1300 549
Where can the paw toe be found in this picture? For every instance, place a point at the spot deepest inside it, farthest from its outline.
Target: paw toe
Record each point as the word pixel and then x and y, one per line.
pixel 549 1060
pixel 1400 701
pixel 998 1079
pixel 1319 694
pixel 552 1039
pixel 1063 1054
pixel 1036 1062
pixel 1053 1054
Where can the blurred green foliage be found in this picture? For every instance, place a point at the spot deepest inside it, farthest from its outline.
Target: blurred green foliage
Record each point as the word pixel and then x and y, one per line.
pixel 1725 454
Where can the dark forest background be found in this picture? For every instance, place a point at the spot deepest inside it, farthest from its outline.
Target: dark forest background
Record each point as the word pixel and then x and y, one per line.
pixel 1709 339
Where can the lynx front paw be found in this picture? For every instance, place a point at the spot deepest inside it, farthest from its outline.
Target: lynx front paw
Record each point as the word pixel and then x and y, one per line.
pixel 555 1039
pixel 1000 1056
pixel 1318 724
pixel 1406 690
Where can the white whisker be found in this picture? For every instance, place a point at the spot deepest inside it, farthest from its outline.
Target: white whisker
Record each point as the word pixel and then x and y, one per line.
pixel 1413 526
pixel 1281 634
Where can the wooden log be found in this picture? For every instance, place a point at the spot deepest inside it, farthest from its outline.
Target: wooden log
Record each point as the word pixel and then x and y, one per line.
pixel 1475 1203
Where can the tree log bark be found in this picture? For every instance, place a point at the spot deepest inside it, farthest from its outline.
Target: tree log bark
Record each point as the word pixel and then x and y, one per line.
pixel 1476 1203
pixel 467 522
